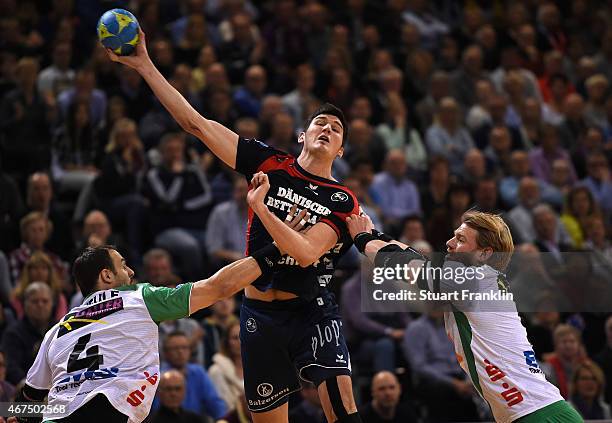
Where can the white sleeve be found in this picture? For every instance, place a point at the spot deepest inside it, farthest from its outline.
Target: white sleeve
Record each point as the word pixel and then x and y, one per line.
pixel 40 375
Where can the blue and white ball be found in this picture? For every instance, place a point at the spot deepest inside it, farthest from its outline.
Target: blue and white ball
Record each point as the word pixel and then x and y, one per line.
pixel 118 31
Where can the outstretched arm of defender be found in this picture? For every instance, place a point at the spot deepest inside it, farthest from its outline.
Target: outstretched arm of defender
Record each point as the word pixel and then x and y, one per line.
pixel 358 225
pixel 222 141
pixel 379 251
pixel 305 247
pixel 232 278
pixel 223 284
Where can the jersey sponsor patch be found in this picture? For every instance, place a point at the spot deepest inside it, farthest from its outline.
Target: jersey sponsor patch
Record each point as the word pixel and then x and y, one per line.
pixel 91 314
pixel 138 396
pixel 290 185
pixel 511 394
pixel 251 325
pixel 340 196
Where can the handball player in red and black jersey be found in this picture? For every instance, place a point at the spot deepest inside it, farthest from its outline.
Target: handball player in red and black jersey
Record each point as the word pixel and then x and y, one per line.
pixel 290 325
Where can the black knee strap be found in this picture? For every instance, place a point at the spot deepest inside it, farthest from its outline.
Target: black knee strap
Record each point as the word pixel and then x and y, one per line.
pixel 335 398
pixel 350 418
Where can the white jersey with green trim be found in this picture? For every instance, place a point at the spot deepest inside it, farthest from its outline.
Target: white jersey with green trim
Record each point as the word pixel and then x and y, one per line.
pixel 491 342
pixel 108 345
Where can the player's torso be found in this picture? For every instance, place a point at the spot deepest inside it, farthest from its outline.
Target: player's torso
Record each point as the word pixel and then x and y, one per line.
pixel 108 344
pixel 289 185
pixel 493 349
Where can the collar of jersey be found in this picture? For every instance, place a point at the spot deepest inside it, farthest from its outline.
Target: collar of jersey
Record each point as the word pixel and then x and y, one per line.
pixel 311 176
pixel 118 288
pixel 88 297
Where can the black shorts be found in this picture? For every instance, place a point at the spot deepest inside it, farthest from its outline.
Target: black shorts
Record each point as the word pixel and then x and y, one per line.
pixel 284 340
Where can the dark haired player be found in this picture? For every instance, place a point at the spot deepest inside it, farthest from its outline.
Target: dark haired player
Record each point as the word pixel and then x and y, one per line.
pixel 290 325
pixel 100 362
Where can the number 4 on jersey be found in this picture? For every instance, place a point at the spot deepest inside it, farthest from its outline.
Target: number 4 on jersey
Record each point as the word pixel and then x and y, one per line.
pixel 92 359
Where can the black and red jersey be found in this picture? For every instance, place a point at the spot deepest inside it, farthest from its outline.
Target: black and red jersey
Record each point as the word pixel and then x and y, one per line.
pixel 327 201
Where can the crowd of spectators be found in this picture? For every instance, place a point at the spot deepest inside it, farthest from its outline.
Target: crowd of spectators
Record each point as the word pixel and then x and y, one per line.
pixel 503 106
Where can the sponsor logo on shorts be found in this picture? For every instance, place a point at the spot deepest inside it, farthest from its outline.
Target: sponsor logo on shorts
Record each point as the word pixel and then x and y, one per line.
pixel 94 313
pixel 265 390
pixel 261 403
pixel 251 325
pixel 340 359
pixel 328 334
pixel 339 196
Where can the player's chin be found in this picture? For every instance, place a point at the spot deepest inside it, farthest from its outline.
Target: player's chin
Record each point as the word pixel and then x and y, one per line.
pixel 320 144
pixel 323 148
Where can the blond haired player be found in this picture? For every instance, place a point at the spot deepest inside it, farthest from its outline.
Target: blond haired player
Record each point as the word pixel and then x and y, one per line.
pixel 491 346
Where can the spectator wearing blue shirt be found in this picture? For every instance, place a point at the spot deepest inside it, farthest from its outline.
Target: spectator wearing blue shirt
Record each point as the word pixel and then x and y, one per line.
pixel 447 137
pixel 201 397
pixel 398 195
pixel 248 97
pixel 225 241
pixel 178 27
pixel 84 88
pixel 541 158
pixel 598 181
pixel 520 216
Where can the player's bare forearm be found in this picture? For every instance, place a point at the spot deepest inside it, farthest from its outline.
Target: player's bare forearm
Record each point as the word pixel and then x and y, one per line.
pixel 307 247
pixel 225 283
pixel 220 140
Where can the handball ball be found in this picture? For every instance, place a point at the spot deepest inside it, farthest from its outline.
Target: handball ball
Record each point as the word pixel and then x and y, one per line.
pixel 118 31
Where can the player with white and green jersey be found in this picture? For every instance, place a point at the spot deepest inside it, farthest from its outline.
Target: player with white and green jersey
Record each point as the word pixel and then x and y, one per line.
pixel 490 341
pixel 101 361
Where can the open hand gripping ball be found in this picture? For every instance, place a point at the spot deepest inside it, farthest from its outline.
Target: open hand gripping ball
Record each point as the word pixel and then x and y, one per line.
pixel 118 30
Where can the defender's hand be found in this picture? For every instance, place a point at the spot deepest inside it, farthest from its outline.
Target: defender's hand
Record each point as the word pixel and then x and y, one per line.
pixel 260 184
pixel 138 59
pixel 357 224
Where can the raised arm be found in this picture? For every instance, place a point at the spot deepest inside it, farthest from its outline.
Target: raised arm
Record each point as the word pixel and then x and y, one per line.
pixel 306 247
pixel 222 141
